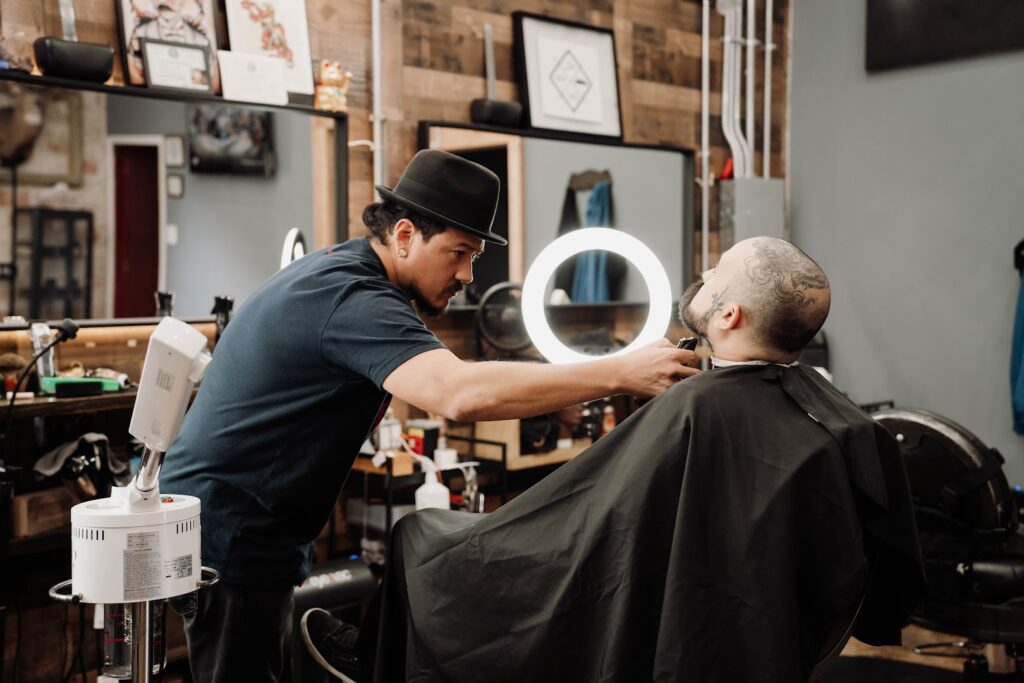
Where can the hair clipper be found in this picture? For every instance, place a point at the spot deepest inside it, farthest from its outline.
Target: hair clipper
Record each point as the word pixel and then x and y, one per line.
pixel 687 343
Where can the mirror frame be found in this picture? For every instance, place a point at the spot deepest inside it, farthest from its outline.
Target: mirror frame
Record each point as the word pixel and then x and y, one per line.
pixel 340 151
pixel 501 136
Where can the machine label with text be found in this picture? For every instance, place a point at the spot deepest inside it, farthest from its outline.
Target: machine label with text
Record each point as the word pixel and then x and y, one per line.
pixel 142 566
pixel 179 567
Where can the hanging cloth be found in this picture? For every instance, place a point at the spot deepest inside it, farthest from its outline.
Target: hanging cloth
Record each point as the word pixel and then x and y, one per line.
pixel 590 279
pixel 1017 364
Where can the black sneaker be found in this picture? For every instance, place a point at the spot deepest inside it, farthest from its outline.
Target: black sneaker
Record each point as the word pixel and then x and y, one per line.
pixel 332 643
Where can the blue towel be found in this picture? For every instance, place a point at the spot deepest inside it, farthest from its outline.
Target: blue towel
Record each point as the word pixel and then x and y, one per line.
pixel 1016 363
pixel 590 279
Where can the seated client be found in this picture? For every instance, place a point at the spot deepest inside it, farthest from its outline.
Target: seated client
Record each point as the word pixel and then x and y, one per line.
pixel 729 530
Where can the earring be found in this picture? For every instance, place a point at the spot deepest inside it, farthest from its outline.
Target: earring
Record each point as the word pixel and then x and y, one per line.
pixel 402 253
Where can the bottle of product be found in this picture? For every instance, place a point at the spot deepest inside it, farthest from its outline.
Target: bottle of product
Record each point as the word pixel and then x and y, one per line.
pixel 444 456
pixel 607 420
pixel 433 494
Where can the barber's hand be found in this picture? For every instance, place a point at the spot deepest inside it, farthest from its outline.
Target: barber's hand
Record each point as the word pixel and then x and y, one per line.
pixel 652 369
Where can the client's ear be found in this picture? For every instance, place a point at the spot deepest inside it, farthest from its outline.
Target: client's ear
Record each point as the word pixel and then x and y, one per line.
pixel 730 318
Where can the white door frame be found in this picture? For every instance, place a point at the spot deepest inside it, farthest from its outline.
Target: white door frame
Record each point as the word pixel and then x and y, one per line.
pixel 136 141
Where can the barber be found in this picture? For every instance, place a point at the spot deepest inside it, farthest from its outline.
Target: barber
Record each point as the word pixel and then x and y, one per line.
pixel 306 370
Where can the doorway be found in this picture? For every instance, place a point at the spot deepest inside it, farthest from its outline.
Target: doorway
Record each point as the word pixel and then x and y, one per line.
pixel 136 262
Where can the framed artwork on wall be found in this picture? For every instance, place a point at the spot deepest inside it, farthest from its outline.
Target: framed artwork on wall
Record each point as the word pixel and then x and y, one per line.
pixel 568 75
pixel 175 185
pixel 186 22
pixel 175 66
pixel 174 150
pixel 276 28
pixel 58 151
pixel 902 33
pixel 234 140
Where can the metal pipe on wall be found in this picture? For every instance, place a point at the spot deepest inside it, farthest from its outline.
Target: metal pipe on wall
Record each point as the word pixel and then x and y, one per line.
pixel 727 90
pixel 705 150
pixel 737 89
pixel 769 47
pixel 378 108
pixel 751 78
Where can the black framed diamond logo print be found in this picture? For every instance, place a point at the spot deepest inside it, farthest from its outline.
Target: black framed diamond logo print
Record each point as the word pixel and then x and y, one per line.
pixel 568 76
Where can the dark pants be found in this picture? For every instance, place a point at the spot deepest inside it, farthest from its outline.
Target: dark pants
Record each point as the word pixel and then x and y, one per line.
pixel 237 633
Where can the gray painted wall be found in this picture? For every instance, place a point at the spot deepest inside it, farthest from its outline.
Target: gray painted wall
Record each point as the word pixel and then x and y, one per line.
pixel 647 199
pixel 906 186
pixel 231 228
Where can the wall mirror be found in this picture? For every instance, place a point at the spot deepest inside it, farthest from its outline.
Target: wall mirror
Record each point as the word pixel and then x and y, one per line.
pixel 121 195
pixel 550 184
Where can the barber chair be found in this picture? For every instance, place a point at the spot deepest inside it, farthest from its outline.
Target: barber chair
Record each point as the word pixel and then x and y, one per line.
pixel 971 539
pixel 340 587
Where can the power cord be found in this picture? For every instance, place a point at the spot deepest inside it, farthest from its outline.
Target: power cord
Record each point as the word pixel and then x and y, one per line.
pixel 67 329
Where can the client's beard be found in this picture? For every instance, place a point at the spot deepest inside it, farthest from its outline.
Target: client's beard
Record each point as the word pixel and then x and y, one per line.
pixel 698 324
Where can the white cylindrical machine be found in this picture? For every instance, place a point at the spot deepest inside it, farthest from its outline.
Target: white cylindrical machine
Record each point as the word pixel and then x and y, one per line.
pixel 119 555
pixel 137 548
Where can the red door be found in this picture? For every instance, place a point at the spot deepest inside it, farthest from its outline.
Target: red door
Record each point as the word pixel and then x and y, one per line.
pixel 137 230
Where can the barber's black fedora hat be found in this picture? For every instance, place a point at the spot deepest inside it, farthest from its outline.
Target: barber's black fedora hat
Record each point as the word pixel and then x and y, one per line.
pixel 450 189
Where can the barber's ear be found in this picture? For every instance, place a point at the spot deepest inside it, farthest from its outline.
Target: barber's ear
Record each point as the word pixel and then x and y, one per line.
pixel 730 318
pixel 404 231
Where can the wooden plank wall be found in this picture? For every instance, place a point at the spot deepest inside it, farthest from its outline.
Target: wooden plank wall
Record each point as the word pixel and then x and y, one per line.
pixel 433 66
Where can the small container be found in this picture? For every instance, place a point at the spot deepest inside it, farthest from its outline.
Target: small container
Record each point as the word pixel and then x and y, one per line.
pixel 423 435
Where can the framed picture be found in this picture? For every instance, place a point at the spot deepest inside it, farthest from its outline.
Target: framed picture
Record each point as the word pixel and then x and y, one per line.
pixel 276 28
pixel 175 66
pixel 175 185
pixel 58 152
pixel 174 150
pixel 226 139
pixel 568 75
pixel 185 22
pixel 902 33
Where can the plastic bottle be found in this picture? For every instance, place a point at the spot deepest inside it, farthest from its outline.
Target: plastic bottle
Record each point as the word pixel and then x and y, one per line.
pixel 444 456
pixel 433 494
pixel 607 420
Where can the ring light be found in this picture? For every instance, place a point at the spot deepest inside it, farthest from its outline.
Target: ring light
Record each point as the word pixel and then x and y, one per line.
pixel 589 239
pixel 294 247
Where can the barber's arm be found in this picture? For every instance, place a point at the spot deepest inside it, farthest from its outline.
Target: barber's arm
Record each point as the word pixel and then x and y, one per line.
pixel 441 383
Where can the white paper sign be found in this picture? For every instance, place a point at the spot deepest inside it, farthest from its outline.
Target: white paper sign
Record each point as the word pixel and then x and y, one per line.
pixel 569 77
pixel 252 78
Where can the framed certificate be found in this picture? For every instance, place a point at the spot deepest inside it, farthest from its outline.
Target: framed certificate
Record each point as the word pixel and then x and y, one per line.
pixel 176 66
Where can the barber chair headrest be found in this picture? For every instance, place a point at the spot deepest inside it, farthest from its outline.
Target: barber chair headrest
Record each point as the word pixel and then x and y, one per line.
pixel 952 473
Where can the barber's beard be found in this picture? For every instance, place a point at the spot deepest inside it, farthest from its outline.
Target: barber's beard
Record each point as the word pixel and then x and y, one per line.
pixel 427 308
pixel 696 322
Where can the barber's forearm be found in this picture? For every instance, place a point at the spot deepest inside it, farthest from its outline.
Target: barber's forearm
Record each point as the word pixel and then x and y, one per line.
pixel 502 391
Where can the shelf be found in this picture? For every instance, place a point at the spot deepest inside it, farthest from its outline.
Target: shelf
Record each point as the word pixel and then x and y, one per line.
pixel 555 457
pixel 138 91
pixel 43 406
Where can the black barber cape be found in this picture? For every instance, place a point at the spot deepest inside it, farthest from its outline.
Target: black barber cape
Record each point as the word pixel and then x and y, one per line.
pixel 721 533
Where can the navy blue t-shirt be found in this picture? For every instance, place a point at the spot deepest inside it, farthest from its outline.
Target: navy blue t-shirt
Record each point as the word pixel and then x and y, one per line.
pixel 293 391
